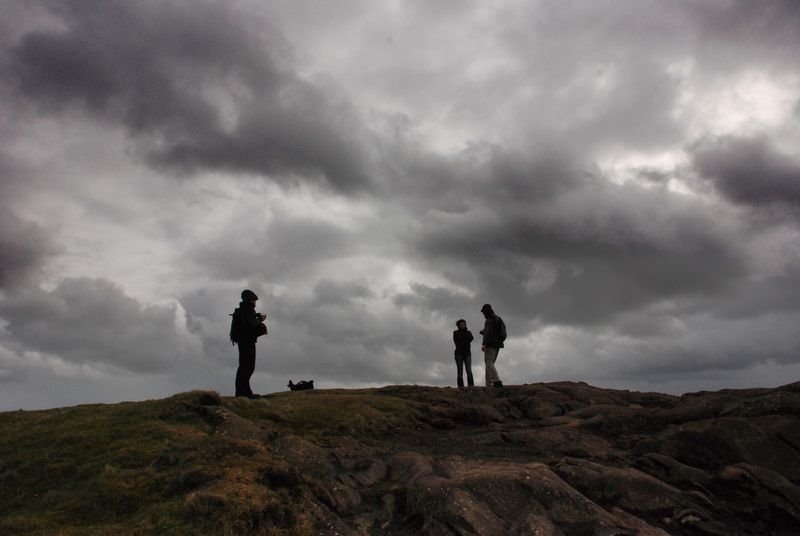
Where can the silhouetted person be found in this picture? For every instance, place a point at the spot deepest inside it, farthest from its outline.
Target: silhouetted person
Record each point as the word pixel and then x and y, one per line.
pixel 462 339
pixel 493 336
pixel 250 327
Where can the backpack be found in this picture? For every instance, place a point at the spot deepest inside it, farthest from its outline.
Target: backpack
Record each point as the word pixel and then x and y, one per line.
pixel 236 326
pixel 502 334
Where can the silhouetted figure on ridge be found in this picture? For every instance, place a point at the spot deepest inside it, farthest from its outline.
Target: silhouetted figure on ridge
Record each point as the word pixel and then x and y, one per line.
pixel 246 327
pixel 494 333
pixel 462 338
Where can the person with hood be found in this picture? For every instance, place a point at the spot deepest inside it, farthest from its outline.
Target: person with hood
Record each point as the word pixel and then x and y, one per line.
pixel 250 327
pixel 462 338
pixel 493 336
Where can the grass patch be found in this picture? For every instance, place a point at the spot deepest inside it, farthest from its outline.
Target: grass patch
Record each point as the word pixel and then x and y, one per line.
pixel 329 412
pixel 174 466
pixel 130 468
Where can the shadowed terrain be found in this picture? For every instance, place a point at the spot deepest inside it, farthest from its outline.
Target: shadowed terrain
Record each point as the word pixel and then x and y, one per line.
pixel 544 459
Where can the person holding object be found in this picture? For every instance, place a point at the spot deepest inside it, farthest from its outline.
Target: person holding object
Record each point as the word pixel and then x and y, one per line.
pixel 494 333
pixel 462 338
pixel 246 326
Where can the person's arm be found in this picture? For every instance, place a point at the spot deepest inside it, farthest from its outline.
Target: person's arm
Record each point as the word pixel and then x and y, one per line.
pixel 470 338
pixel 252 319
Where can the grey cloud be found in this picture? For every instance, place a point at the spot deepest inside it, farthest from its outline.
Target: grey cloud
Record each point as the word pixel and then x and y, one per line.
pixel 24 249
pixel 749 171
pixel 634 110
pixel 12 368
pixel 620 77
pixel 328 331
pixel 713 345
pixel 328 292
pixel 197 85
pixel 482 175
pixel 346 342
pixel 653 175
pixel 778 294
pixel 446 302
pixel 594 279
pixel 583 255
pixel 92 321
pixel 609 85
pixel 747 27
pixel 692 346
pixel 287 248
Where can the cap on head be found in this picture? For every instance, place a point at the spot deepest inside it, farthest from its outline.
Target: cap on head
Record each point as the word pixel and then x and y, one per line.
pixel 487 308
pixel 249 295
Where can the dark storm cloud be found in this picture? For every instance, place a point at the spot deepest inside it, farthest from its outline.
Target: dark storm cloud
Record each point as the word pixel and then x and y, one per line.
pixel 583 253
pixel 771 25
pixel 197 84
pixel 24 249
pixel 483 174
pixel 749 171
pixel 777 294
pixel 92 321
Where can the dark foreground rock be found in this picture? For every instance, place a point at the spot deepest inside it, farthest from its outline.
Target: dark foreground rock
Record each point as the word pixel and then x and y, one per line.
pixel 541 459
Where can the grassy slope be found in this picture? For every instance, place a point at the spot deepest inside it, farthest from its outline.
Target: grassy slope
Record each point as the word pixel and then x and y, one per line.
pixel 160 467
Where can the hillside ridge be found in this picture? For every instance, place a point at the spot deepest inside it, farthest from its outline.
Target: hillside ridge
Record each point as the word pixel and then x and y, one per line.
pixel 561 458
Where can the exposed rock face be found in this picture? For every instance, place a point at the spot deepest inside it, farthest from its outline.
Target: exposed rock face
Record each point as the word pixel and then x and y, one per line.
pixel 564 458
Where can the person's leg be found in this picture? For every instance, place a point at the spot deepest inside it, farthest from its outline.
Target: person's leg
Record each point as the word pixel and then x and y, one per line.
pixel 468 367
pixel 489 357
pixel 497 381
pixel 247 365
pixel 460 368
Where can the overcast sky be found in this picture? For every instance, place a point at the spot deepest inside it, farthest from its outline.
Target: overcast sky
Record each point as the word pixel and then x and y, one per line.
pixel 619 179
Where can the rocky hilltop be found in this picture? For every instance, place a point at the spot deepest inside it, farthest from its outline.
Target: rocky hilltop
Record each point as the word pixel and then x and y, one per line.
pixel 542 459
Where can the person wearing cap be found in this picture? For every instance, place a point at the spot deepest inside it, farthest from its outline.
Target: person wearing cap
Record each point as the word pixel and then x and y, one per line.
pixel 462 338
pixel 492 342
pixel 252 327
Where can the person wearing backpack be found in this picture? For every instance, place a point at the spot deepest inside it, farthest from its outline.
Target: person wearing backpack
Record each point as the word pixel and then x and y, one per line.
pixel 462 338
pixel 246 326
pixel 494 334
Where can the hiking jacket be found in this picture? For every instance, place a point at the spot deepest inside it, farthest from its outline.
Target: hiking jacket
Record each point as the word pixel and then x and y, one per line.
pixel 462 338
pixel 491 332
pixel 251 323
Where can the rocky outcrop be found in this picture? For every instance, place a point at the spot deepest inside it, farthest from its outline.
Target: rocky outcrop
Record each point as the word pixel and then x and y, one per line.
pixel 542 459
pixel 561 458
